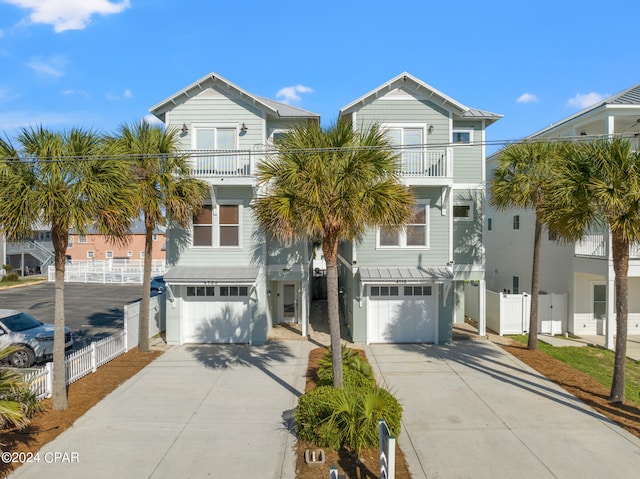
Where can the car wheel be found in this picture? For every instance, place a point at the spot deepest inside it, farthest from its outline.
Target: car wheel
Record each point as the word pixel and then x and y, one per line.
pixel 22 358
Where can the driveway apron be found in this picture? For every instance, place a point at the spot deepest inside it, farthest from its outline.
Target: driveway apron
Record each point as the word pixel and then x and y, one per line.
pixel 197 411
pixel 471 410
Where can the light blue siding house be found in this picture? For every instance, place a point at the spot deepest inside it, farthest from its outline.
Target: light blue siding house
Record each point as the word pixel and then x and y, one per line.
pixel 581 272
pixel 227 282
pixel 407 287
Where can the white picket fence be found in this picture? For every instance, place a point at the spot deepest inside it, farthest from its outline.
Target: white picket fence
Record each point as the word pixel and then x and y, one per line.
pixel 110 271
pixel 78 364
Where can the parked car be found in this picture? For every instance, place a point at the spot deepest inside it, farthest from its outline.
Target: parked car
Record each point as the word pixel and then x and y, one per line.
pixel 32 340
pixel 157 284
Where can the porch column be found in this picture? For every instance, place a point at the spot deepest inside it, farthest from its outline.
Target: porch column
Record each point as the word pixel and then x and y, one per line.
pixel 304 310
pixel 482 307
pixel 611 302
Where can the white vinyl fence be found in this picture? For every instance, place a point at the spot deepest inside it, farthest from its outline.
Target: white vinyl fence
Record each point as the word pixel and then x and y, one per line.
pixel 509 313
pixel 113 271
pixel 88 359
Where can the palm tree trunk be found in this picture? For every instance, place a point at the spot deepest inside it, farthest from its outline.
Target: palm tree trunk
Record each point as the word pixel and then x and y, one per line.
pixel 59 238
pixel 535 285
pixel 620 252
pixel 143 330
pixel 330 250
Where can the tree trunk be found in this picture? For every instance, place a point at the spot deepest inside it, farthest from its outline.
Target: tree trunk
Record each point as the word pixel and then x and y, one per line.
pixel 535 285
pixel 620 251
pixel 143 329
pixel 59 237
pixel 330 250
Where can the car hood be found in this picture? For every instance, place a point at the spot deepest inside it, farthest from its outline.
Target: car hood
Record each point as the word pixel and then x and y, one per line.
pixel 44 331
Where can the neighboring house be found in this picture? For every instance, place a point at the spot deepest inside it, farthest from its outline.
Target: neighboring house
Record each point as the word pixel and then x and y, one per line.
pixel 31 255
pixel 407 286
pixel 228 282
pixel 582 271
pixel 94 246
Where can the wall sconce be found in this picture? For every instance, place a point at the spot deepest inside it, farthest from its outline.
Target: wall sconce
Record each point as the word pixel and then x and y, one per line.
pixel 244 128
pixel 430 128
pixel 583 133
pixel 185 128
pixel 269 292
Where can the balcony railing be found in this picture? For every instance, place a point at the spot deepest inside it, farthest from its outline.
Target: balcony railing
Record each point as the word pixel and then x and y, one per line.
pixel 596 245
pixel 426 163
pixel 207 163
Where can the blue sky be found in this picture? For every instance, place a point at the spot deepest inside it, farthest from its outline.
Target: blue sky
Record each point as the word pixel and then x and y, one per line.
pixel 99 63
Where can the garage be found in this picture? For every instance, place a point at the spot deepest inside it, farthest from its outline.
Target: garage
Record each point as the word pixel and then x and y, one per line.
pixel 215 303
pixel 402 314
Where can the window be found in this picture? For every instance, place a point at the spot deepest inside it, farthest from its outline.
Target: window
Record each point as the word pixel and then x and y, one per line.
pixel 229 218
pixel 599 301
pixel 203 227
pixel 154 237
pixel 516 222
pixel 409 140
pixel 417 290
pixel 129 254
pixel 384 291
pixel 141 254
pixel 414 235
pixel 462 211
pixel 226 225
pixel 516 285
pixel 234 291
pixel 216 139
pixel 90 254
pixel 489 224
pixel 108 254
pixel 70 242
pixel 462 136
pixel 201 291
pixel 552 236
pixel 82 239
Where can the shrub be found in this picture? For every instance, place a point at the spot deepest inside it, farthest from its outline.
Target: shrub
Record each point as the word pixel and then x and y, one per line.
pixel 351 378
pixel 311 416
pixel 10 277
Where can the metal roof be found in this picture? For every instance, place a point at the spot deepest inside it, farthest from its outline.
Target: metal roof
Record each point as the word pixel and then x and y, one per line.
pixel 210 274
pixel 288 111
pixel 385 274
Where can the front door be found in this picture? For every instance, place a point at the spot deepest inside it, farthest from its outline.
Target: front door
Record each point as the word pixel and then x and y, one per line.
pixel 288 304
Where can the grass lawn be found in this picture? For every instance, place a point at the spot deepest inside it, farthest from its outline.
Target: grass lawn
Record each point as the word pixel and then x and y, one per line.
pixel 21 281
pixel 595 362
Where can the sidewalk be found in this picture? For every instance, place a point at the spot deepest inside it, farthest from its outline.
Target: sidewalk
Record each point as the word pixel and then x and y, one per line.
pixel 633 343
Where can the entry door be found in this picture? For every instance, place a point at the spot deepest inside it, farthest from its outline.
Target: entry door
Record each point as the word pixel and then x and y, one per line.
pixel 288 311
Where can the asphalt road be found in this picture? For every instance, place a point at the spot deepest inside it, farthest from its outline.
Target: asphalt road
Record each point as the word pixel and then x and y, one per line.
pixel 92 311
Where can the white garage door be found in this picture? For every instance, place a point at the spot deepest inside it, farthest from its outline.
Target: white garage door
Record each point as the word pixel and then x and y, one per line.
pixel 402 314
pixel 216 318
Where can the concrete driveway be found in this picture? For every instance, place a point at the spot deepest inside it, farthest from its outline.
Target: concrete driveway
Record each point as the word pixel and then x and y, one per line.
pixel 198 411
pixel 471 410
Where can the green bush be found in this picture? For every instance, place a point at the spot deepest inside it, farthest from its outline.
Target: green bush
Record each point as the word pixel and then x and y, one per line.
pixel 350 377
pixel 10 278
pixel 312 415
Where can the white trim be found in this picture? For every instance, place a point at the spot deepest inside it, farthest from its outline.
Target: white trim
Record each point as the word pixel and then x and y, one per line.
pixel 592 298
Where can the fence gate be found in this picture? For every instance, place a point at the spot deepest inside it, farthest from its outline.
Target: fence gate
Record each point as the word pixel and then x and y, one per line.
pixel 552 313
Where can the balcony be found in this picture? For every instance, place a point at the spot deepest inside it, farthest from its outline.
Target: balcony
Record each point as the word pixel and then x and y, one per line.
pixel 426 166
pixel 596 245
pixel 222 163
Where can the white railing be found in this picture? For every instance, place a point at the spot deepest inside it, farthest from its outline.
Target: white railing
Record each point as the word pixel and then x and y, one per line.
pixel 78 364
pixel 597 245
pixel 592 245
pixel 234 163
pixel 425 163
pixel 112 271
pixel 387 444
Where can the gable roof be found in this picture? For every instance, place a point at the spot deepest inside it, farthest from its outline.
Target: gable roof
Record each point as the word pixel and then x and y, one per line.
pixel 446 101
pixel 271 107
pixel 625 98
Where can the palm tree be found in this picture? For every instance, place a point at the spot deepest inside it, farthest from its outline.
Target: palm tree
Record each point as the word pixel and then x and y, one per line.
pixel 17 402
pixel 56 178
pixel 331 185
pixel 598 184
pixel 520 181
pixel 165 189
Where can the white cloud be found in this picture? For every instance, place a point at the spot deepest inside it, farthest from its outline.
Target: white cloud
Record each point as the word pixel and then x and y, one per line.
pixel 119 96
pixel 586 100
pixel 289 94
pixel 527 98
pixel 68 14
pixel 52 66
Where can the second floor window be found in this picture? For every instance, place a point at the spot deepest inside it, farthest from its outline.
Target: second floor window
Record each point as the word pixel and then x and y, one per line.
pixel 223 229
pixel 409 141
pixel 82 239
pixel 414 235
pixel 516 222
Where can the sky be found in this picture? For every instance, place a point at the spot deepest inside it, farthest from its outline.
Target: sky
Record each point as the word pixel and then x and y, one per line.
pixel 97 64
